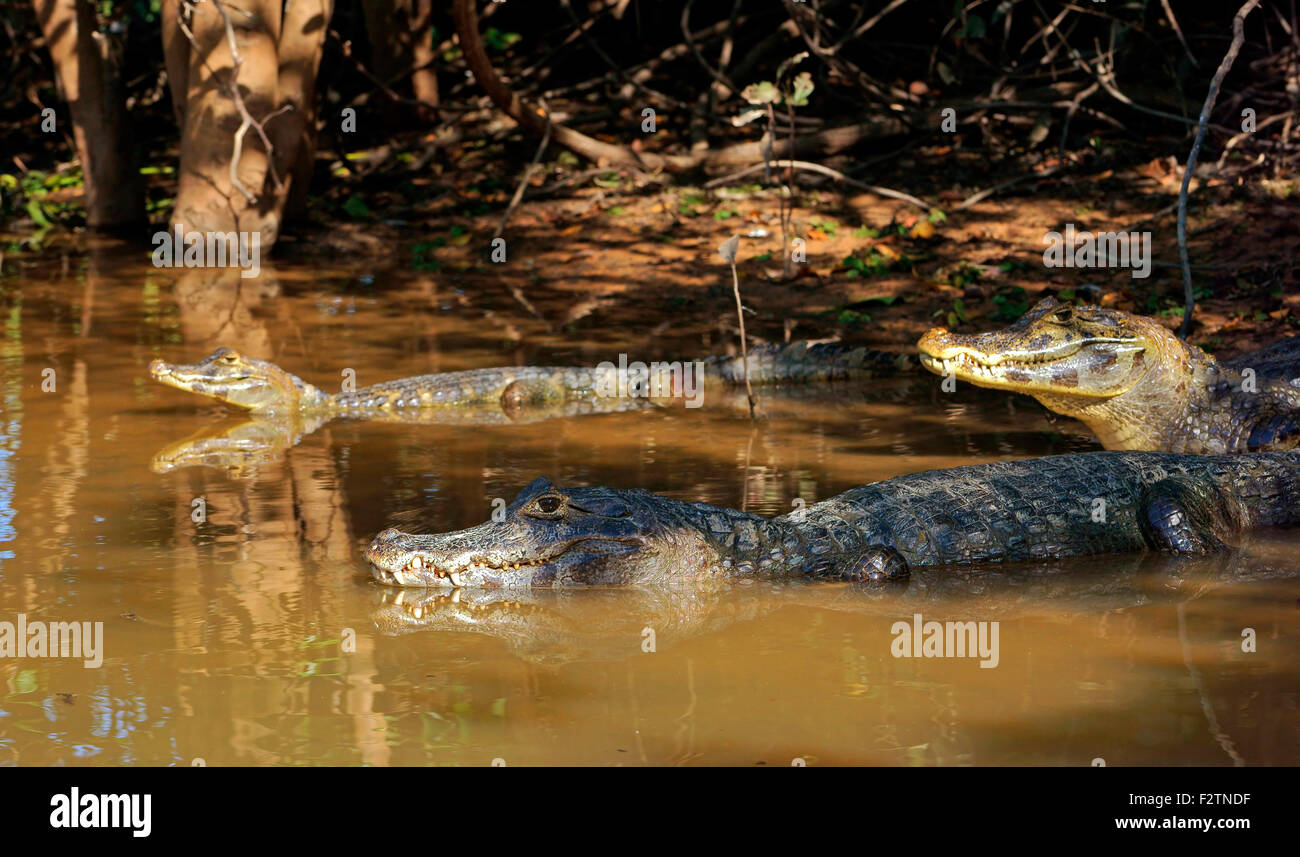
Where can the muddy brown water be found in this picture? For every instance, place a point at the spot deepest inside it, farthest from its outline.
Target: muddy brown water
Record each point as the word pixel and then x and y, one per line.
pixel 256 637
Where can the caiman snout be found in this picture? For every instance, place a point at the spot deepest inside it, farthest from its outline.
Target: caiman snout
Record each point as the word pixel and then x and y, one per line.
pixel 158 368
pixel 377 544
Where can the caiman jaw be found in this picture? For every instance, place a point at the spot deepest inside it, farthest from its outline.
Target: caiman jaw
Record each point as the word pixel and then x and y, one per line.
pixel 398 559
pixel 394 567
pixel 964 357
pixel 1072 368
pixel 191 382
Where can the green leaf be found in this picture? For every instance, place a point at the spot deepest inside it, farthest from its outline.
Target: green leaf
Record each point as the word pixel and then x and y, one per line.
pixel 495 40
pixel 356 207
pixel 37 213
pixel 800 89
pixel 763 92
pixel 790 63
pixel 975 28
pixel 25 681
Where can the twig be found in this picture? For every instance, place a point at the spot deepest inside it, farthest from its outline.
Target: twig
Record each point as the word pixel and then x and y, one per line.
pixel 1105 75
pixel 1069 114
pixel 699 57
pixel 1173 22
pixel 807 166
pixel 614 66
pixel 528 172
pixel 987 192
pixel 1238 36
pixel 1237 138
pixel 728 252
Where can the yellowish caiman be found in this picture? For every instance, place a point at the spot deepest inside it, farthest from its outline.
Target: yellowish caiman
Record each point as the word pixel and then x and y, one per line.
pixel 1131 381
pixel 508 393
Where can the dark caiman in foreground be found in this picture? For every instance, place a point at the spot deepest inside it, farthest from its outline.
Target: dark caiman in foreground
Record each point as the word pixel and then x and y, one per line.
pixel 1134 383
pixel 1032 509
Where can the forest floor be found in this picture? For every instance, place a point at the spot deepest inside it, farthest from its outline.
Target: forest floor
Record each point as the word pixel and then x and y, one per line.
pixel 637 249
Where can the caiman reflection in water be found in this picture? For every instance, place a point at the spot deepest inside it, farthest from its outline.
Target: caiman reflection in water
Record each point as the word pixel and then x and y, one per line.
pixel 559 626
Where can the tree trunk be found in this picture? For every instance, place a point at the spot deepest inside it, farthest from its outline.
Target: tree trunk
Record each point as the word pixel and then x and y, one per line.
pixel 88 77
pixel 401 42
pixel 176 58
pixel 207 198
pixel 275 78
pixel 294 134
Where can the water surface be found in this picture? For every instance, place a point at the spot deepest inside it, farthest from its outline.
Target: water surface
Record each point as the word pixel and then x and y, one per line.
pixel 256 637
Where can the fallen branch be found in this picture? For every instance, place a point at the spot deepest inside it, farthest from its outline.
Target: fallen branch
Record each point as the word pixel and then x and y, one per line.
pixel 476 59
pixel 1238 36
pixel 825 171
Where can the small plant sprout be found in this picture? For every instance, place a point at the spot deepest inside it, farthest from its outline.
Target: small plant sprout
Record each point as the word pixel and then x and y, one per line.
pixel 791 91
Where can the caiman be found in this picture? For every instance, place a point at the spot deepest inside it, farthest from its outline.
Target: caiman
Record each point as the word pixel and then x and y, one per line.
pixel 1031 509
pixel 1131 381
pixel 265 389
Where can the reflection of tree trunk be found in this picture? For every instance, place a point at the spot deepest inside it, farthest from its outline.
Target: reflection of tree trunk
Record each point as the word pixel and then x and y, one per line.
pixel 279 58
pixel 64 471
pixel 216 308
pixel 401 42
pixel 87 74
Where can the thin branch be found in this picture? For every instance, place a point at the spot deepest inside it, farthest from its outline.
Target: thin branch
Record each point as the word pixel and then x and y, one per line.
pixel 825 171
pixel 528 173
pixel 987 192
pixel 1238 36
pixel 1173 22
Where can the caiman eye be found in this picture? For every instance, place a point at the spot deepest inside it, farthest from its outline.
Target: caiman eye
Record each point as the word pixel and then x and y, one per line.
pixel 1062 315
pixel 549 505
pixel 230 358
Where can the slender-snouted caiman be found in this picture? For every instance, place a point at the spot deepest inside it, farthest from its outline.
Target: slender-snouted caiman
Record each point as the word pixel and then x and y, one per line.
pixel 1032 509
pixel 265 389
pixel 1132 381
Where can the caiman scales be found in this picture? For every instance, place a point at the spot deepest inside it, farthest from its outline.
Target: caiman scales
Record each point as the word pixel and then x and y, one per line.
pixel 1131 381
pixel 1034 509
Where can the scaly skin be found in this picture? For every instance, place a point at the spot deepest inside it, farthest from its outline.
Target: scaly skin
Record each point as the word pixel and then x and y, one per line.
pixel 267 390
pixel 1033 509
pixel 1131 381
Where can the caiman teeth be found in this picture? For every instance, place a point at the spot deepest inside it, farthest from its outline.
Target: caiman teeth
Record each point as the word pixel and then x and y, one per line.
pixel 419 570
pixel 427 605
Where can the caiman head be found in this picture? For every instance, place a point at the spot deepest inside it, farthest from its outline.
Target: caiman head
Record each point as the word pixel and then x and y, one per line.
pixel 547 537
pixel 239 380
pixel 1109 368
